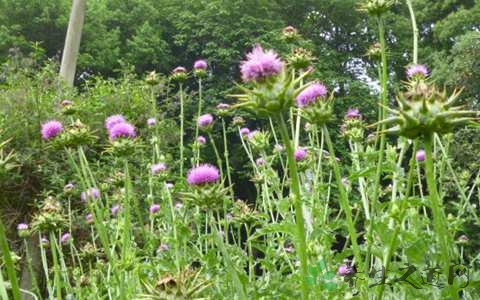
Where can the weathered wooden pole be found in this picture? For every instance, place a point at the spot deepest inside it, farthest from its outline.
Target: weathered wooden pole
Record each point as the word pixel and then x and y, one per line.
pixel 72 42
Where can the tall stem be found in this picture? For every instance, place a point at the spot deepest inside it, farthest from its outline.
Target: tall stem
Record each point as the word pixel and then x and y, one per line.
pixel 439 221
pixel 199 112
pixel 415 31
pixel 181 129
pixel 226 154
pixel 378 174
pixel 345 205
pixel 300 222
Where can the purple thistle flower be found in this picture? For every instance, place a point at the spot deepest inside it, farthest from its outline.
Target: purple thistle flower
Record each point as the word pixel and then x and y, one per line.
pixel 89 218
pixel 169 185
pixel 22 226
pixel 154 208
pixel 66 103
pixel 179 205
pixel 311 94
pixel 66 237
pixel 114 120
pixel 345 270
pixel 179 70
pixel 260 64
pixel 353 113
pixel 115 209
pixel 223 106
pixel 203 174
pixel 300 154
pixel 200 64
pixel 415 70
pixel 421 155
pixel 201 140
pixel 89 194
pixel 279 148
pixel 157 168
pixel 126 130
pixel 51 129
pixel 260 161
pixel 244 131
pixel 205 120
pixel 151 122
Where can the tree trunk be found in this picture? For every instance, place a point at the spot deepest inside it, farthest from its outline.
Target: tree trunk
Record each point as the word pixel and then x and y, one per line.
pixel 72 42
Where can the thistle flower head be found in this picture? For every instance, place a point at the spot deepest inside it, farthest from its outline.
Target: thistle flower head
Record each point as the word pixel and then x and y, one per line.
pixel 115 209
pixel 261 65
pixel 158 168
pixel 345 270
pixel 151 122
pixel 51 129
pixel 311 94
pixel 154 208
pixel 200 64
pixel 290 33
pixel 203 174
pixel 301 154
pixel 125 130
pixel 205 120
pixel 22 226
pixel 201 140
pixel 114 120
pixel 89 218
pixel 179 74
pixel 420 155
pixel 65 238
pixel 420 71
pixel 90 194
pixel 353 113
pixel 244 131
pixel 260 161
pixel 424 109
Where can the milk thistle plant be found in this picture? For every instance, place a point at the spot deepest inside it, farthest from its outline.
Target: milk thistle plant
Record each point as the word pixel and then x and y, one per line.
pixel 290 213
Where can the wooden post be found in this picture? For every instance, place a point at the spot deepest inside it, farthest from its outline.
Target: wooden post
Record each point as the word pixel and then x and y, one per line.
pixel 72 42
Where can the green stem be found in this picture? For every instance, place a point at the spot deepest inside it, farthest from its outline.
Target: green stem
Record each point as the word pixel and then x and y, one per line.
pixel 226 154
pixel 378 174
pixel 198 116
pixel 439 221
pixel 300 222
pixel 415 31
pixel 344 203
pixel 181 129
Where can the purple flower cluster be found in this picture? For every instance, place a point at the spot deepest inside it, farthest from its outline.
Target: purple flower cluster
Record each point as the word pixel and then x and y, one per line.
pixel 51 129
pixel 345 270
pixel 179 70
pixel 22 226
pixel 203 174
pixel 311 94
pixel 66 237
pixel 415 70
pixel 261 64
